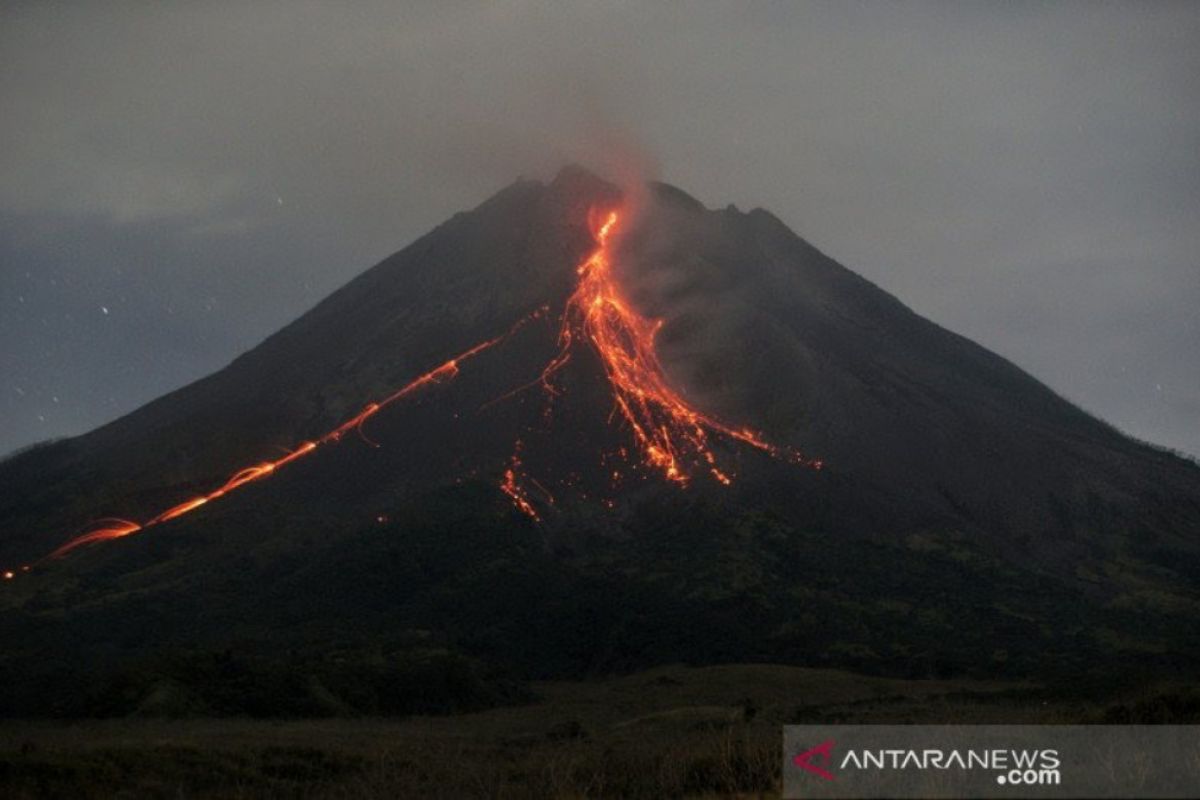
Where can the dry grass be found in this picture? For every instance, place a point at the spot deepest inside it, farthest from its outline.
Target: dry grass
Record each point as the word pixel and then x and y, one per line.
pixel 670 732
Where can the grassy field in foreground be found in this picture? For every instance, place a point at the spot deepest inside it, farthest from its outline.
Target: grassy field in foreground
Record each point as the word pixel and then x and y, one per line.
pixel 668 732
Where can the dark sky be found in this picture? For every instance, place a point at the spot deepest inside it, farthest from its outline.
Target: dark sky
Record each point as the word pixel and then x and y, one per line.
pixel 178 181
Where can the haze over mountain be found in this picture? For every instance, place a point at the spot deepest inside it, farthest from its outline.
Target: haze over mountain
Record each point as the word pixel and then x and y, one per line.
pixel 966 518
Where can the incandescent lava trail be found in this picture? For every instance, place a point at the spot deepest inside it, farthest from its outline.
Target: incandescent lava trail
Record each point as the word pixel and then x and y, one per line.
pixel 670 435
pixel 116 528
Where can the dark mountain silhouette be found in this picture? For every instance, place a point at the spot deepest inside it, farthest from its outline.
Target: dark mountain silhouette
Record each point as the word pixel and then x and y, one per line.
pixel 967 518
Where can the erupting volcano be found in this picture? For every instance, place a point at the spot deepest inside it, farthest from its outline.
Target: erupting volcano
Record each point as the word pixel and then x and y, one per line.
pixel 584 487
pixel 668 434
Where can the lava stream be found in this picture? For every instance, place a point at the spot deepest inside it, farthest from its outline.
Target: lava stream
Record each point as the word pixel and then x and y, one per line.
pixel 116 528
pixel 670 434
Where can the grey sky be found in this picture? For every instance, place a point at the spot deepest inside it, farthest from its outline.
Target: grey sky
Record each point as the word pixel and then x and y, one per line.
pixel 179 180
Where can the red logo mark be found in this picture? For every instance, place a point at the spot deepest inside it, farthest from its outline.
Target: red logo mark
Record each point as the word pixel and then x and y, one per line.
pixel 822 754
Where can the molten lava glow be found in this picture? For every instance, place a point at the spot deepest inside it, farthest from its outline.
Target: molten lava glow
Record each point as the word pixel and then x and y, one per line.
pixel 516 492
pixel 105 530
pixel 114 528
pixel 671 436
pixel 512 487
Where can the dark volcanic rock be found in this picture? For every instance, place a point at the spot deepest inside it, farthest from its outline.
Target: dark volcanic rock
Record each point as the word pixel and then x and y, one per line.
pixel 968 517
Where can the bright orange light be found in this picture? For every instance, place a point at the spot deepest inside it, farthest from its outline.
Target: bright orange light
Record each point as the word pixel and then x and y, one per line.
pixel 671 436
pixel 516 492
pixel 513 488
pixel 109 529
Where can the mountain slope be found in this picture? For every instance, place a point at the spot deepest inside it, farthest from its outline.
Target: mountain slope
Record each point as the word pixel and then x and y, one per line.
pixel 966 518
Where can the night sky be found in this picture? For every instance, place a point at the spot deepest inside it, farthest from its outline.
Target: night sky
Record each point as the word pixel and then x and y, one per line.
pixel 177 182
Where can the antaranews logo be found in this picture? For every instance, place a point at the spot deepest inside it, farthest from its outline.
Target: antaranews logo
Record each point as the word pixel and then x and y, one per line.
pixel 990 761
pixel 817 759
pixel 1013 767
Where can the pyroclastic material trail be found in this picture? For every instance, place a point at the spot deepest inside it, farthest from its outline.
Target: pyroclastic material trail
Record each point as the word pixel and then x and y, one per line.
pixel 670 435
pixel 116 528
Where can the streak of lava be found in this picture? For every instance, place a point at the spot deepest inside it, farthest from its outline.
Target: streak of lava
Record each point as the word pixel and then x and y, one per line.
pixel 117 528
pixel 670 434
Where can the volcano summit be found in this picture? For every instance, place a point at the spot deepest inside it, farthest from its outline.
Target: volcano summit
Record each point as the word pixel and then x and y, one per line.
pixel 601 434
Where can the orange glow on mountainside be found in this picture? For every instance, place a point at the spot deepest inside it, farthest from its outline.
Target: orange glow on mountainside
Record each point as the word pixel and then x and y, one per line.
pixel 668 435
pixel 115 528
pixel 671 436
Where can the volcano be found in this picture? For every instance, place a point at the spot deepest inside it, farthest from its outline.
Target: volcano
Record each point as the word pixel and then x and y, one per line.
pixel 578 430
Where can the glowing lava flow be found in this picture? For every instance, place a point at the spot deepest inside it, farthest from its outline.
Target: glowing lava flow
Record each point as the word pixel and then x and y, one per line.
pixel 115 528
pixel 670 434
